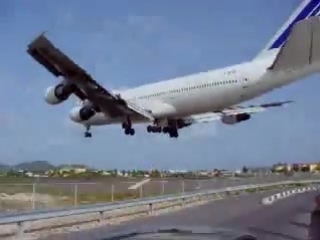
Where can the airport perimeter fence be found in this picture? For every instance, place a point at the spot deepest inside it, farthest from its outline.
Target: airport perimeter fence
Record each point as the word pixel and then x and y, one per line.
pixel 41 193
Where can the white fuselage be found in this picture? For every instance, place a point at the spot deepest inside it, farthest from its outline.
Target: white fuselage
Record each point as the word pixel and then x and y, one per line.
pixel 208 91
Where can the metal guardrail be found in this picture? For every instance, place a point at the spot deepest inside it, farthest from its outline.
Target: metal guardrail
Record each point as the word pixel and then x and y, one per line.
pixel 21 218
pixel 281 195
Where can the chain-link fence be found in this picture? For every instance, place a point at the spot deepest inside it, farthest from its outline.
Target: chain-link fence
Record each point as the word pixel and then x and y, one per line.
pixel 51 193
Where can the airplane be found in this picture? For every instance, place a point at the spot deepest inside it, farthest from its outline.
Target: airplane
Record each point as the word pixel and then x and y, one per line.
pixel 168 106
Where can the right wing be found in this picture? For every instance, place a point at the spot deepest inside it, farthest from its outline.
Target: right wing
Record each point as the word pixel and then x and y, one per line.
pixel 302 47
pixel 232 111
pixel 56 62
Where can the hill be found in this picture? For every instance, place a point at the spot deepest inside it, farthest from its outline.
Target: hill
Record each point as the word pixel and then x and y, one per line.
pixel 35 166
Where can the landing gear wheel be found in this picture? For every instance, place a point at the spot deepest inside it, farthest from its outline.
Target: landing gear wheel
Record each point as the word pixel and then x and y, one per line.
pixel 154 129
pixel 88 135
pixel 165 130
pixel 129 131
pixel 173 133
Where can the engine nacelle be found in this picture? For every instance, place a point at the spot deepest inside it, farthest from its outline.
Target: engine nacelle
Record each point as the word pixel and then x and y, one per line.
pixel 57 94
pixel 233 119
pixel 81 114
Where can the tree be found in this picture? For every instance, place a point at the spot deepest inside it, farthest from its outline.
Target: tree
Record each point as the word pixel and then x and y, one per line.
pixel 155 173
pixel 244 169
pixel 13 173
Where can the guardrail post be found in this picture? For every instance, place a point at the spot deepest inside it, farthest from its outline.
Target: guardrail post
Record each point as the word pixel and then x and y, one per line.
pixel 20 230
pixel 183 201
pixel 150 209
pixel 141 191
pixel 101 217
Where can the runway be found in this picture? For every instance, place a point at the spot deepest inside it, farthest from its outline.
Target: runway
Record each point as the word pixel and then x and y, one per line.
pixel 286 219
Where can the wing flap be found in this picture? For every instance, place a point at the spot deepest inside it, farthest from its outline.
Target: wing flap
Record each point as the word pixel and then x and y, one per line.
pixel 302 47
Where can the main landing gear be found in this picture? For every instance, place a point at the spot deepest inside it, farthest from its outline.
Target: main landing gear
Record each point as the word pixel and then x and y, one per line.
pixel 127 126
pixel 173 132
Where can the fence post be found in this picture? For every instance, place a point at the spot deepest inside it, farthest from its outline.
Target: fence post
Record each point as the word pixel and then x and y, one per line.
pixel 75 195
pixel 112 192
pixel 162 187
pixel 33 201
pixel 182 186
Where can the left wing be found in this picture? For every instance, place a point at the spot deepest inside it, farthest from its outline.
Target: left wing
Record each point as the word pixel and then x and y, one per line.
pixel 233 111
pixel 56 62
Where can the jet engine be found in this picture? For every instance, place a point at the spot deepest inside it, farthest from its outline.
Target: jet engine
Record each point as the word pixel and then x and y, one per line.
pixel 233 119
pixel 83 113
pixel 57 94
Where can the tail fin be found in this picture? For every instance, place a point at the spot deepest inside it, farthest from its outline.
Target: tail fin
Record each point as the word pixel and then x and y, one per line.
pixel 306 9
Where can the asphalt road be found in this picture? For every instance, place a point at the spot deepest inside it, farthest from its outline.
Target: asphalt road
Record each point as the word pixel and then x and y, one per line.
pixel 286 219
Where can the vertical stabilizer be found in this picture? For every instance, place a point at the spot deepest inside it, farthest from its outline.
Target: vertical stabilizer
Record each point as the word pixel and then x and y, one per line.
pixel 306 9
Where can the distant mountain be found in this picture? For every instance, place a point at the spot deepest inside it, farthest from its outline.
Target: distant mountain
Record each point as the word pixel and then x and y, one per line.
pixel 35 166
pixel 29 166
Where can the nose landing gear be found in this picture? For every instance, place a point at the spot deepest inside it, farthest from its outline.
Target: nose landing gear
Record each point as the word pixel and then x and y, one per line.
pixel 87 133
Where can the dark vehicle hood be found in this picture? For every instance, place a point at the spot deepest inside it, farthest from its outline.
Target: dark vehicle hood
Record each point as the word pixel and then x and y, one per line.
pixel 199 232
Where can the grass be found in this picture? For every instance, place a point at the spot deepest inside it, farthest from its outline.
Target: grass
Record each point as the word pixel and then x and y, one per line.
pixel 57 196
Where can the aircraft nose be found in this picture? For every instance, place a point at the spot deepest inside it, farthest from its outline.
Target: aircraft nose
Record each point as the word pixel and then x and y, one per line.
pixel 74 114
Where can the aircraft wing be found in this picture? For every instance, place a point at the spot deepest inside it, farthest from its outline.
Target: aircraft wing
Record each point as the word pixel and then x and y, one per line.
pixel 302 47
pixel 214 116
pixel 253 109
pixel 56 62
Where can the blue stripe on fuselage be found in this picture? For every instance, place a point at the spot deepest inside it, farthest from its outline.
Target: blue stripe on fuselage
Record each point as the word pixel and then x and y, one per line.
pixel 311 9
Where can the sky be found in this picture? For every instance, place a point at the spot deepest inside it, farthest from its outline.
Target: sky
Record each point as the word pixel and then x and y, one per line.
pixel 124 43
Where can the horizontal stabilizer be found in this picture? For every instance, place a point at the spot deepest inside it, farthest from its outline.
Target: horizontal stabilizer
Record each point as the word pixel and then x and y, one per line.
pixel 302 47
